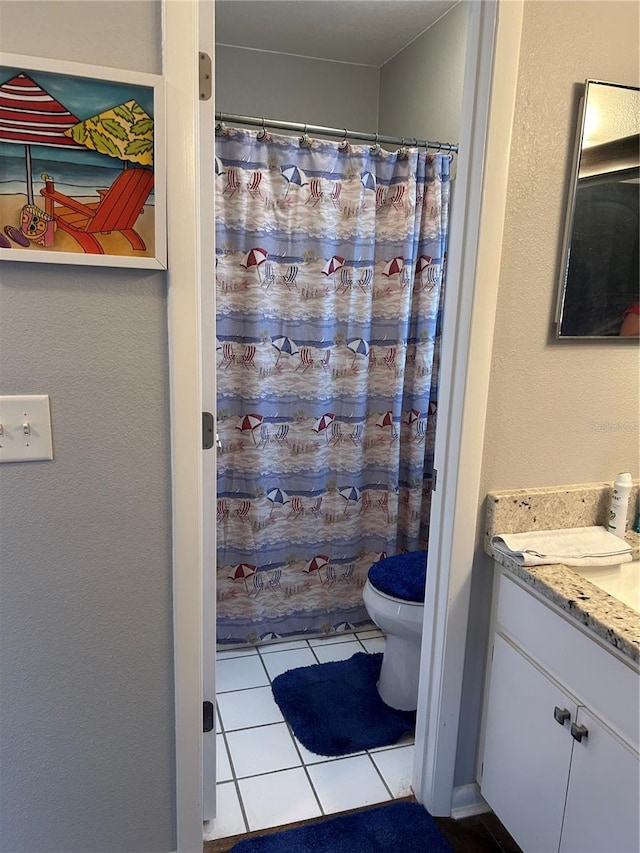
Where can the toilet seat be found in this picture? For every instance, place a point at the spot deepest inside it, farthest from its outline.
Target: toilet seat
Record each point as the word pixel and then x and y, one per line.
pixel 401 577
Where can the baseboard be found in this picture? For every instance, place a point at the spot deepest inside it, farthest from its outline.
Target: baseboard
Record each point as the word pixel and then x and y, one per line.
pixel 467 801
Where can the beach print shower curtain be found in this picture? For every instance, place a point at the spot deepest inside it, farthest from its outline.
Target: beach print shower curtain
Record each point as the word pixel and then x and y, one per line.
pixel 329 269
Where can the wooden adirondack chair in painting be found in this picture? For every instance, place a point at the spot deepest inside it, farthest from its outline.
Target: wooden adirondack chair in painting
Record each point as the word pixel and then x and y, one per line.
pixel 117 210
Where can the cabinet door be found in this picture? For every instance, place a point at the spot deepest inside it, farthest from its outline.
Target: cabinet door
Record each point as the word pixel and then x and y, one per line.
pixel 527 752
pixel 603 797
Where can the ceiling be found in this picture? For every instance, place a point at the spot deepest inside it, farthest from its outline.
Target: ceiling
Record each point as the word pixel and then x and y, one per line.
pixel 367 32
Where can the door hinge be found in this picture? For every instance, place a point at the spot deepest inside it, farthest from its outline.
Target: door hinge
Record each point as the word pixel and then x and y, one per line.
pixel 207 716
pixel 204 82
pixel 207 430
pixel 435 479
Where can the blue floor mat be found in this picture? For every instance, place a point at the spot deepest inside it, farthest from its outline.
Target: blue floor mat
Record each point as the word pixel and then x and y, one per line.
pixel 394 828
pixel 334 708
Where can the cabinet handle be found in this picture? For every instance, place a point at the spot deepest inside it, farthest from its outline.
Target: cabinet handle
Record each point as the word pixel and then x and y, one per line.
pixel 578 732
pixel 561 715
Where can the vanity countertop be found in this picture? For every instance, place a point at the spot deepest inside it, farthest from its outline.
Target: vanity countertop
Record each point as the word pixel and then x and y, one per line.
pixel 610 619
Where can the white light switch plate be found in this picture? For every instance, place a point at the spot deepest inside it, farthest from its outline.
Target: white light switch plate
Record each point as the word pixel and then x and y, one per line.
pixel 25 428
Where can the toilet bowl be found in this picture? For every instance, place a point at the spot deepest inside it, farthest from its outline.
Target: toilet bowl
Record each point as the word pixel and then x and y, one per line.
pixel 394 598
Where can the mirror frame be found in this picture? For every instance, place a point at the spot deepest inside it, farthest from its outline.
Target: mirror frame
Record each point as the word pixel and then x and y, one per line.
pixel 570 219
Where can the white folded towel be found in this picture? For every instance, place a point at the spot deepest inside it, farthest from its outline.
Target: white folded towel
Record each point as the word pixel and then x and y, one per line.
pixel 577 546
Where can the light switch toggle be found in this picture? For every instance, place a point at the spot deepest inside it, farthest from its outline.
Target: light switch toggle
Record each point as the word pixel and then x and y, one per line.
pixel 25 428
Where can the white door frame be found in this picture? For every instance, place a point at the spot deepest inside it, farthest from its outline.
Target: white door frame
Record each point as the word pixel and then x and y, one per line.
pixel 187 30
pixel 477 231
pixel 475 245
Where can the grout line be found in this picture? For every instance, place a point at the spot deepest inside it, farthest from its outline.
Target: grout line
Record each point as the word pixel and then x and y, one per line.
pixel 235 783
pixel 377 769
pixel 259 726
pixel 240 689
pixel 306 770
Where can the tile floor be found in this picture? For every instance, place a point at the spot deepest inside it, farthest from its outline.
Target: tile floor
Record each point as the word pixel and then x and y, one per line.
pixel 266 778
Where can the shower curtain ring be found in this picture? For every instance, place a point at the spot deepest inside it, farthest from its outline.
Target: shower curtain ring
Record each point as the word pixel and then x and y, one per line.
pixel 344 145
pixel 304 140
pixel 263 135
pixel 375 148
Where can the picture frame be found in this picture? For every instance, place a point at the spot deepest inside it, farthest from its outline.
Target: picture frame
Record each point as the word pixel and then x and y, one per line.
pixel 82 164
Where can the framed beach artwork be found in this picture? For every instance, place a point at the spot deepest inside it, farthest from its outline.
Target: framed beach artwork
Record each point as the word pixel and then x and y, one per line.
pixel 82 164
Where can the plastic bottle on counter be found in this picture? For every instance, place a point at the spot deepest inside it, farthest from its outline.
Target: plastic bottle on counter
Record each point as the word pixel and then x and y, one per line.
pixel 620 505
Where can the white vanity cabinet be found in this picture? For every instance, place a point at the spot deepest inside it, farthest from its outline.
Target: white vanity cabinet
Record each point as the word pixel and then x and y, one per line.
pixel 560 733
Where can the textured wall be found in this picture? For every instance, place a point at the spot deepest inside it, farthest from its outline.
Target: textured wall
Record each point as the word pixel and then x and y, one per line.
pixel 86 672
pixel 421 87
pixel 559 412
pixel 293 88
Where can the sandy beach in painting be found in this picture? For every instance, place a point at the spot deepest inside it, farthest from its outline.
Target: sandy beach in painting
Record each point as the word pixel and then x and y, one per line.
pixel 113 244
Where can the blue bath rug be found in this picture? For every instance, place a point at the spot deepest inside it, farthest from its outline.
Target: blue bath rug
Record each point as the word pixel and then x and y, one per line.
pixel 334 708
pixel 396 828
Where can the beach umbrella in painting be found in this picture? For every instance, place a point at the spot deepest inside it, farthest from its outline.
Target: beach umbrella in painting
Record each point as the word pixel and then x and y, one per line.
pixel 255 258
pixel 249 423
pixel 124 132
pixel 368 180
pixel 335 263
pixel 293 176
pixel 324 422
pixel 394 266
pixel 241 572
pixel 29 115
pixel 350 494
pixel 358 347
pixel 320 561
pixel 385 420
pixel 219 168
pixel 284 345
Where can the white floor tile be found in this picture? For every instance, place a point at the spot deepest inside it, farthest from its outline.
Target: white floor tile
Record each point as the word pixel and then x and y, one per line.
pixel 238 673
pixel 242 709
pixel 311 757
pixel 347 783
pixel 373 645
pixel 278 799
pixel 280 662
pixel 396 766
pixel 223 653
pixel 223 768
pixel 282 647
pixel 230 820
pixel 337 651
pixel 332 638
pixel 262 750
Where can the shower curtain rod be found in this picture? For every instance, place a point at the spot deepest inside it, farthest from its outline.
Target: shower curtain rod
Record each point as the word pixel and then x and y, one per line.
pixel 342 133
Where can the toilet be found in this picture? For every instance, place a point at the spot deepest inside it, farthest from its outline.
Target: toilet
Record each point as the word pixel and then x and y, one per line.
pixel 394 598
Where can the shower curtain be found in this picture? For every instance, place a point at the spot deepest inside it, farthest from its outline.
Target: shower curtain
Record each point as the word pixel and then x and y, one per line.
pixel 329 271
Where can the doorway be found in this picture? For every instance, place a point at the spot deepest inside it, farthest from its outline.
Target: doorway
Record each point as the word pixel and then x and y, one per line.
pixel 407 88
pixel 489 93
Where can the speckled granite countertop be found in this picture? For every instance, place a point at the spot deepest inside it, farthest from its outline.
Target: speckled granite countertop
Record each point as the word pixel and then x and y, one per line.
pixel 563 507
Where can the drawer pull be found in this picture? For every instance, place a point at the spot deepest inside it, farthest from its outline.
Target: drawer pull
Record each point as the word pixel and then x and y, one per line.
pixel 561 715
pixel 578 732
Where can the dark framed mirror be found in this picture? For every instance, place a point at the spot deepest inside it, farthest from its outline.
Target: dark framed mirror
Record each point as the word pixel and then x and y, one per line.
pixel 599 287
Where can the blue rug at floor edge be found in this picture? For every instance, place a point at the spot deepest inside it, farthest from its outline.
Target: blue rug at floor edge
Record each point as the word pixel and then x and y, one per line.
pixel 394 828
pixel 334 708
